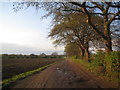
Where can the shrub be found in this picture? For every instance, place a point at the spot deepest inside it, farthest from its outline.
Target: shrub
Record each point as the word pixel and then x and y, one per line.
pixel 112 62
pixel 98 59
pixel 74 57
pixel 103 65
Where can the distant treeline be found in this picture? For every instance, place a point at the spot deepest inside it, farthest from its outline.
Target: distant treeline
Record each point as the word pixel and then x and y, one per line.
pixel 32 56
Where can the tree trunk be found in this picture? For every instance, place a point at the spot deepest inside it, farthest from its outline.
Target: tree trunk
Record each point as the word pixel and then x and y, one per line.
pixel 107 41
pixel 82 53
pixel 87 54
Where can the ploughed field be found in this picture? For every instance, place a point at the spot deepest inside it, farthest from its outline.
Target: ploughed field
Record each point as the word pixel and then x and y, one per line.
pixel 15 66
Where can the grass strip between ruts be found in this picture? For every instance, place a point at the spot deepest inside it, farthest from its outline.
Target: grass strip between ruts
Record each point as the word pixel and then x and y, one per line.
pixel 23 75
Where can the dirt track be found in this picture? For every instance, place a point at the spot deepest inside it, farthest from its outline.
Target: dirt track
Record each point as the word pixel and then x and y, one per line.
pixel 63 75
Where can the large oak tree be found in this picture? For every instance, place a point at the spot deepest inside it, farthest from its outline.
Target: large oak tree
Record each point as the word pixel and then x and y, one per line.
pixel 74 29
pixel 109 11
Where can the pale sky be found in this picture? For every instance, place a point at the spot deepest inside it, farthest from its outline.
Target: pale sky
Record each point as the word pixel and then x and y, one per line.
pixel 24 32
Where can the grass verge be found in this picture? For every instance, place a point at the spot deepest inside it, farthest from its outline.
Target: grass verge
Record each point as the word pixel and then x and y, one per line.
pixel 94 68
pixel 23 75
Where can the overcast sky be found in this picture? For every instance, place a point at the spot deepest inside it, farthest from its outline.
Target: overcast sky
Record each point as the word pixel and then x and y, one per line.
pixel 24 32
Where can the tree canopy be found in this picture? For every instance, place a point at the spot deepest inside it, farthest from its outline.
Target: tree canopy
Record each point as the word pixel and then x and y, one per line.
pixel 95 17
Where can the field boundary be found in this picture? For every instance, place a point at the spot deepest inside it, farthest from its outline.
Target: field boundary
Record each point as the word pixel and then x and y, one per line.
pixel 23 75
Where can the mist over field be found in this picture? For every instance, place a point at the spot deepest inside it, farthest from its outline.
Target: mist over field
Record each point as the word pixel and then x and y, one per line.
pixel 20 49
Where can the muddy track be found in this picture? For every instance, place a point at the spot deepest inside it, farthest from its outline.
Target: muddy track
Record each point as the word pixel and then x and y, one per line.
pixel 66 74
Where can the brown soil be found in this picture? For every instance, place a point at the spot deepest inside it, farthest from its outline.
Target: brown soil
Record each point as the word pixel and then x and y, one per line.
pixel 66 74
pixel 15 66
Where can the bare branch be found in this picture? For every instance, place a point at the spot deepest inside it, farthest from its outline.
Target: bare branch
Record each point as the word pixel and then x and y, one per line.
pixel 117 19
pixel 98 6
pixel 73 10
pixel 113 18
